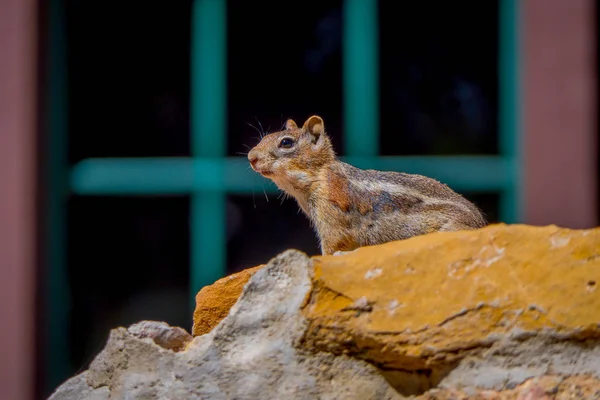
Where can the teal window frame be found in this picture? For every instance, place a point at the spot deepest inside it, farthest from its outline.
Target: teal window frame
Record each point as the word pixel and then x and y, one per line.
pixel 208 175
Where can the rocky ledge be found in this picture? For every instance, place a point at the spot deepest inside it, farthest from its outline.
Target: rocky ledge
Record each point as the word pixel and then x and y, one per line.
pixel 504 312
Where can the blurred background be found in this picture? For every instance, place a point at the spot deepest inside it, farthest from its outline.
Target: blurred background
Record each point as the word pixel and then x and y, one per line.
pixel 124 128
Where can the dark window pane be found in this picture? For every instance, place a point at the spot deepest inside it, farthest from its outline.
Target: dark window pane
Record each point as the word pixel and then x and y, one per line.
pixel 439 81
pixel 597 91
pixel 260 229
pixel 284 61
pixel 128 260
pixel 487 202
pixel 128 78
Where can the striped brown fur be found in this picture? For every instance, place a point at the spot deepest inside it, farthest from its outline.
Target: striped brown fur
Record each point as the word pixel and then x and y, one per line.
pixel 350 207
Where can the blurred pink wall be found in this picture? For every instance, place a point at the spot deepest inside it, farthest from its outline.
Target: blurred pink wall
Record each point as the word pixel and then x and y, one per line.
pixel 18 29
pixel 560 112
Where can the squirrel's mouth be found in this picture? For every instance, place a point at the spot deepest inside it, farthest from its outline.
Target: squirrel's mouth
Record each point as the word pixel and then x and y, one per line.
pixel 263 172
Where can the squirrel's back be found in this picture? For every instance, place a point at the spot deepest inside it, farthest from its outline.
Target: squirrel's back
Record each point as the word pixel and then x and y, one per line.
pixel 368 207
pixel 386 191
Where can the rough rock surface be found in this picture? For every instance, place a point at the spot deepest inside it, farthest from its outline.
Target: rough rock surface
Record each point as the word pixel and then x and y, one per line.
pixel 214 301
pixel 168 337
pixel 504 312
pixel 251 354
pixel 486 308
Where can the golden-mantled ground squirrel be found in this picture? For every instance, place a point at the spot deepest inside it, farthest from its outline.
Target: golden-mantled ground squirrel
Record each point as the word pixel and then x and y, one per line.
pixel 350 207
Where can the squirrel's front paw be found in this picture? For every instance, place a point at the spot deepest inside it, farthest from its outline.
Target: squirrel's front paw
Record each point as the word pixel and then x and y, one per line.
pixel 341 253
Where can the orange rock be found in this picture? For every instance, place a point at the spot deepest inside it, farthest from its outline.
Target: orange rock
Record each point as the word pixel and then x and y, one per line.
pixel 426 302
pixel 214 301
pixel 429 302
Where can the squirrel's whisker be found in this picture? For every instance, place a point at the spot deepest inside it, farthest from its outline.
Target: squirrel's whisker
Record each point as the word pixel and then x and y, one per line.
pixel 261 127
pixel 257 130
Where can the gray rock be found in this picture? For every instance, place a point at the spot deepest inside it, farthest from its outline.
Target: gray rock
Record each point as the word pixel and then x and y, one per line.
pixel 252 354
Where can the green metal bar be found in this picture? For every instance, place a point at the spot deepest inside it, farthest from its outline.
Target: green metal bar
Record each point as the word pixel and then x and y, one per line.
pixel 361 78
pixel 509 106
pixel 139 176
pixel 57 367
pixel 106 176
pixel 209 78
pixel 208 129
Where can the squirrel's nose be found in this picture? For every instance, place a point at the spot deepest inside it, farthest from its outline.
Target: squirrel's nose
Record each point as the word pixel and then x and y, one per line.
pixel 252 157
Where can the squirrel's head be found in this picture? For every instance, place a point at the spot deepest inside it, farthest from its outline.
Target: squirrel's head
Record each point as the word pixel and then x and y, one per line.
pixel 293 155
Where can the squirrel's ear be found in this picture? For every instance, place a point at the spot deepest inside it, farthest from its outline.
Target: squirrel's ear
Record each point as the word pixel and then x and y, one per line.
pixel 315 126
pixel 290 124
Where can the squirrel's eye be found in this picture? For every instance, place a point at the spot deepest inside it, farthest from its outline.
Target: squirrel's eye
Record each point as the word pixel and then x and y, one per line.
pixel 286 143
